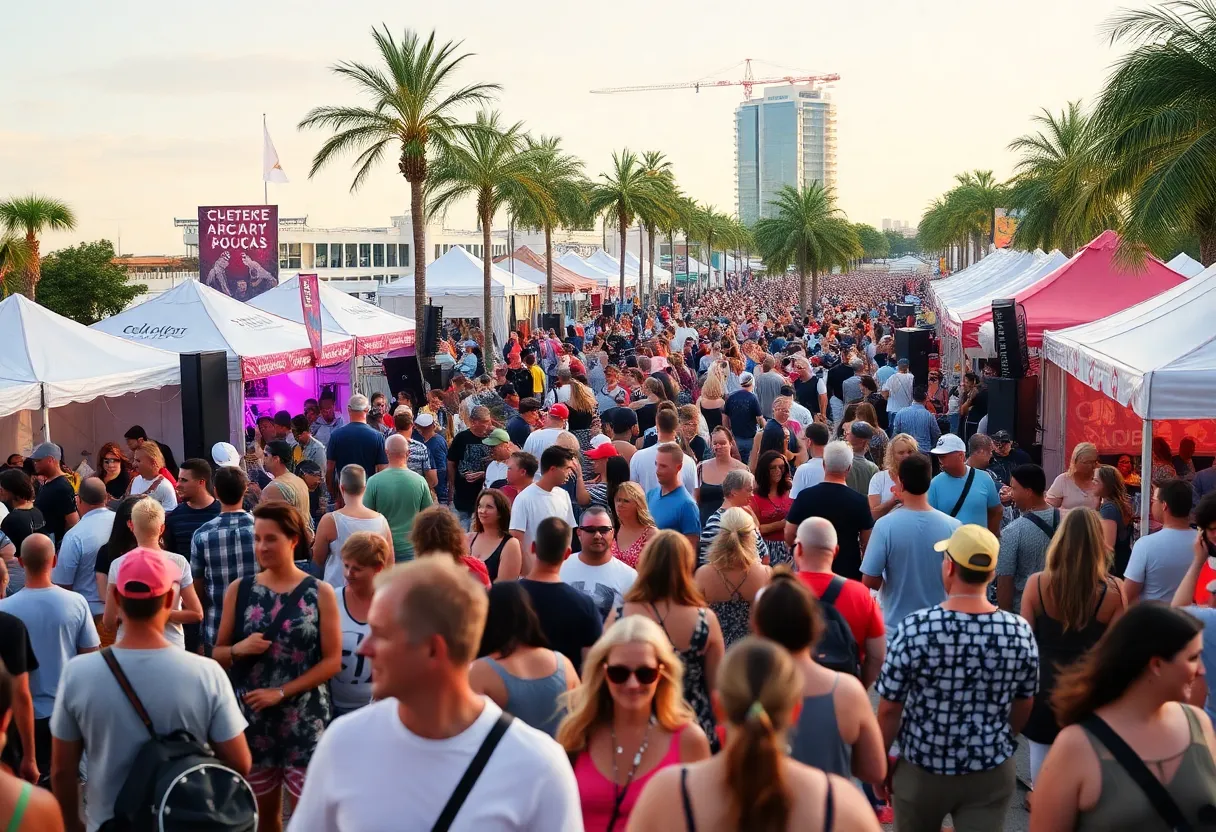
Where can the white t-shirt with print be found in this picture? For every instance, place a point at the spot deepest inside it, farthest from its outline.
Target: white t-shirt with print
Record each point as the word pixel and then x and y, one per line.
pixel 607 583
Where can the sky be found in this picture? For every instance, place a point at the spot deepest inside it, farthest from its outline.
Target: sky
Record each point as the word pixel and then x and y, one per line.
pixel 134 115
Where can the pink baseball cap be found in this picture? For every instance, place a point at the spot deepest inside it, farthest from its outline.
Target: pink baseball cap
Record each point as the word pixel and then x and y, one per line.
pixel 149 568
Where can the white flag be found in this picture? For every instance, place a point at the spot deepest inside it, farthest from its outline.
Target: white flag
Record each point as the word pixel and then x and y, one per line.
pixel 272 171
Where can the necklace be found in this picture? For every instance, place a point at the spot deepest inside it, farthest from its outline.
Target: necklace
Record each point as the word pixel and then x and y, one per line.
pixel 637 758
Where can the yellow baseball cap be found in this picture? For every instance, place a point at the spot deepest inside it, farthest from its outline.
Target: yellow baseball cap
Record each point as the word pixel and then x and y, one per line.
pixel 971 546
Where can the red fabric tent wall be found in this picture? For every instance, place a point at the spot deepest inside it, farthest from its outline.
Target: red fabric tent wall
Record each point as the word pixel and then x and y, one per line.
pixel 1088 287
pixel 1115 429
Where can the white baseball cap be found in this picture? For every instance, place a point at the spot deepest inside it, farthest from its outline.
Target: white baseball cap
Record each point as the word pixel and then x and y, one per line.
pixel 949 444
pixel 223 454
pixel 424 420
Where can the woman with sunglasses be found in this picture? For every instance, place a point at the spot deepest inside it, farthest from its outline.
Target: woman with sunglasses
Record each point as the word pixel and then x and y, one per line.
pixel 112 469
pixel 772 503
pixel 627 721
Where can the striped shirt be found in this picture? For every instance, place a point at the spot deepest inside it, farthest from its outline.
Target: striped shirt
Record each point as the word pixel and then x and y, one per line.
pixel 420 458
pixel 220 553
pixel 712 526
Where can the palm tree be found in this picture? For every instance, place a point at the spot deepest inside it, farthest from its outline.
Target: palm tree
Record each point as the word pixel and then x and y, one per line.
pixel 623 194
pixel 559 177
pixel 980 196
pixel 807 231
pixel 411 110
pixel 658 168
pixel 493 165
pixel 14 255
pixel 32 215
pixel 715 226
pixel 1158 116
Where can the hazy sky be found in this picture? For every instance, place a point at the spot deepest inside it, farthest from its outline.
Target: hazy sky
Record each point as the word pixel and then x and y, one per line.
pixel 134 114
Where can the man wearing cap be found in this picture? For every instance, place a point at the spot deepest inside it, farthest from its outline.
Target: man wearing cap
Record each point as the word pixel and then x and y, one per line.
pixel 221 551
pixel 863 469
pixel 917 421
pixel 181 692
pixel 962 491
pixel 399 494
pixel 56 499
pixel 1005 457
pixel 308 447
pixel 957 686
pixel 520 426
pixel 286 486
pixel 1024 542
pixel 519 376
pixel 741 414
pixel 897 389
pixel 467 365
pixel 354 444
pixel 501 447
pixel 420 461
pixel 555 420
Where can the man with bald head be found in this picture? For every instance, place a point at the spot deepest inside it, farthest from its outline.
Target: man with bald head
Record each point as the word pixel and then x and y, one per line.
pixel 400 756
pixel 60 626
pixel 75 569
pixel 399 494
pixel 815 546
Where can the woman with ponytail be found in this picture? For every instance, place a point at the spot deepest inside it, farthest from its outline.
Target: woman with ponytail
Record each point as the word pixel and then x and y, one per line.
pixel 753 785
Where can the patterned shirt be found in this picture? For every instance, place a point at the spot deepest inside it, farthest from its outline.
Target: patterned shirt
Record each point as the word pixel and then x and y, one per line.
pixel 957 675
pixel 919 423
pixel 220 553
pixel 420 458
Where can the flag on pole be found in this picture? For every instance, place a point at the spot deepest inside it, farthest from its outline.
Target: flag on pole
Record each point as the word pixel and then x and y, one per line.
pixel 272 171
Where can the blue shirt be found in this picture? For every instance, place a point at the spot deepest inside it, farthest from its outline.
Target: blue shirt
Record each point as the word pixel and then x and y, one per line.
pixel 1204 483
pixel 356 444
pixel 944 492
pixel 1208 616
pixel 517 428
pixel 674 510
pixel 59 625
pixel 901 552
pixel 438 447
pixel 883 374
pixel 78 556
pixel 916 421
pixel 220 553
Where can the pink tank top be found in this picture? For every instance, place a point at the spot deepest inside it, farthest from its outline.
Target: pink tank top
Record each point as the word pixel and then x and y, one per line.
pixel 598 795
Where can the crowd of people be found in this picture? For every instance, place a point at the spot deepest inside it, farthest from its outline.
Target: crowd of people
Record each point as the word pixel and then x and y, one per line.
pixel 644 574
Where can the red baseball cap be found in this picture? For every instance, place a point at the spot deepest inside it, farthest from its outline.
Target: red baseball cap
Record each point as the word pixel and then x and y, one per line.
pixel 559 411
pixel 603 451
pixel 149 568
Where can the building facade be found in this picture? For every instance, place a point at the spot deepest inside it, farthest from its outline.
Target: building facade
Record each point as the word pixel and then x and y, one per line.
pixel 788 137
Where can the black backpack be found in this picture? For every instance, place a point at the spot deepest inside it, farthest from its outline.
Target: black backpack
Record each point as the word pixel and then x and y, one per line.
pixel 176 784
pixel 838 648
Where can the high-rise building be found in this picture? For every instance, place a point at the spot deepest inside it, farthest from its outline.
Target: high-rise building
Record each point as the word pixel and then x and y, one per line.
pixel 788 137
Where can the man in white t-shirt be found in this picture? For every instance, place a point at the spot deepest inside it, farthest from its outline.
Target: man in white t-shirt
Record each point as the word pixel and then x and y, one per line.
pixel 898 389
pixel 810 473
pixel 544 498
pixel 1160 560
pixel 641 466
pixel 555 425
pixel 594 570
pixel 395 763
pixel 148 523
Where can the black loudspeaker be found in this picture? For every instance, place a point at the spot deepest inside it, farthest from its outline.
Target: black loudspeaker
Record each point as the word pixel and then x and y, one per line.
pixel 205 419
pixel 608 309
pixel 1013 405
pixel 915 345
pixel 405 374
pixel 555 322
pixel 1009 329
pixel 428 344
pixel 665 300
pixel 437 376
pixel 904 311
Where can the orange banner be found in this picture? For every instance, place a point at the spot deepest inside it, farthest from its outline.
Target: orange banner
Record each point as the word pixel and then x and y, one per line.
pixel 1115 429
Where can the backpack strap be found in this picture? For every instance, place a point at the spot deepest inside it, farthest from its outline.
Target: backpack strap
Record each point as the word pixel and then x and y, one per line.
pixel 962 498
pixel 469 779
pixel 125 683
pixel 1050 531
pixel 832 591
pixel 1158 796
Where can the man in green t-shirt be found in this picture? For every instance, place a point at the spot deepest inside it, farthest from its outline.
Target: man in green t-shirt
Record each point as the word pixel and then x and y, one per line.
pixel 399 494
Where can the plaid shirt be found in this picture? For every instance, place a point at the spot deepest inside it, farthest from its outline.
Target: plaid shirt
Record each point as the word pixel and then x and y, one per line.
pixel 220 553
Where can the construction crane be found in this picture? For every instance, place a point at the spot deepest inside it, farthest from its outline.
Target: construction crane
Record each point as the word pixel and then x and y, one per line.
pixel 747 82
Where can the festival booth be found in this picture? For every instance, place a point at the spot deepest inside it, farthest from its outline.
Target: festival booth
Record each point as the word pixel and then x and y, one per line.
pixel 456 281
pixel 662 277
pixel 270 359
pixel 62 381
pixel 568 287
pixel 605 262
pixel 1185 265
pixel 941 291
pixel 908 263
pixel 1147 370
pixel 696 267
pixel 1087 287
pixel 609 282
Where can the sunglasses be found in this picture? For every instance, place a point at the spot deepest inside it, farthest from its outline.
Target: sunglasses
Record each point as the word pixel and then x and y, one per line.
pixel 108 460
pixel 595 529
pixel 619 674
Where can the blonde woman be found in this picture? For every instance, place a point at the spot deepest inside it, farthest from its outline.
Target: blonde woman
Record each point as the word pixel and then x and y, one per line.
pixel 1076 487
pixel 664 592
pixel 1069 604
pixel 882 485
pixel 713 395
pixel 627 721
pixel 754 785
pixel 635 526
pixel 149 477
pixel 584 421
pixel 734 575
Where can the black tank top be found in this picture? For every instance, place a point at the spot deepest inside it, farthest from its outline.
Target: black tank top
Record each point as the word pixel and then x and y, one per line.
pixel 492 561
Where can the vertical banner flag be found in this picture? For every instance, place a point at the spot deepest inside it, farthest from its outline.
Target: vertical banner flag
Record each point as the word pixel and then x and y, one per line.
pixel 238 248
pixel 272 171
pixel 310 300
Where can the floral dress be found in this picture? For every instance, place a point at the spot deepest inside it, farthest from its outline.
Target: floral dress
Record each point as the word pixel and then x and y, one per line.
pixel 630 556
pixel 284 735
pixel 734 614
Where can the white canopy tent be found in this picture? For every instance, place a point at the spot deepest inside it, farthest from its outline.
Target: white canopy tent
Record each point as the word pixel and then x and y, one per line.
pixel 456 281
pixel 661 275
pixel 695 266
pixel 1185 265
pixel 607 280
pixel 1157 357
pixel 375 330
pixel 96 384
pixel 907 263
pixel 193 317
pixel 605 262
pixel 943 289
pixel 1014 274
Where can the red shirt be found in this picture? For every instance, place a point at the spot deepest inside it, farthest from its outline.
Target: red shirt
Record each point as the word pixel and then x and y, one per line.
pixel 855 603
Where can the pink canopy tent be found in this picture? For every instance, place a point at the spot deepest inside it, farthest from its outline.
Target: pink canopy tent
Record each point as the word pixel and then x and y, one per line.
pixel 1088 287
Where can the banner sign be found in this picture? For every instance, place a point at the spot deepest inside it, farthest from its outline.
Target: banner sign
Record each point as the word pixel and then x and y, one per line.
pixel 310 300
pixel 1115 429
pixel 238 248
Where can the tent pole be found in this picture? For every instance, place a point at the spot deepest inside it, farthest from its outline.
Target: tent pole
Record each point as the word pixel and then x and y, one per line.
pixel 46 421
pixel 1146 475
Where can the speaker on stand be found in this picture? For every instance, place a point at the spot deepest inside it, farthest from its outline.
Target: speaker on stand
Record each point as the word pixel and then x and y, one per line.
pixel 1009 333
pixel 205 418
pixel 1013 405
pixel 609 309
pixel 916 346
pixel 555 321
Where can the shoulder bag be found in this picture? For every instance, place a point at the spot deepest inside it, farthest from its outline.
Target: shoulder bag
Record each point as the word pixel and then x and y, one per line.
pixel 962 498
